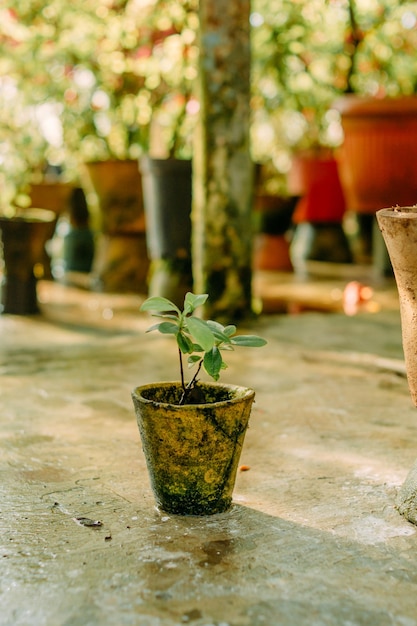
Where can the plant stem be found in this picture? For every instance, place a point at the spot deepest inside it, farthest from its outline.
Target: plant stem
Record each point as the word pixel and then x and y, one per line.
pixel 182 374
pixel 190 385
pixel 194 378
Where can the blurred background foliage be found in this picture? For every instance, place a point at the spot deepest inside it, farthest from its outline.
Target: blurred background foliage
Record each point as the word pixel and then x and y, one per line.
pixel 307 53
pixel 99 79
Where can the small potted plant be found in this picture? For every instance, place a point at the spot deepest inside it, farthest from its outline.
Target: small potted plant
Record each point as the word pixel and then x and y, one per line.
pixel 192 432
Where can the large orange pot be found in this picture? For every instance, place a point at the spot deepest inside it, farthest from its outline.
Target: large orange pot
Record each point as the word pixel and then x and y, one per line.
pixel 378 158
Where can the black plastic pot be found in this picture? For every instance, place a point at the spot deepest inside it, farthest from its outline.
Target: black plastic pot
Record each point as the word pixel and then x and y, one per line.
pixel 167 197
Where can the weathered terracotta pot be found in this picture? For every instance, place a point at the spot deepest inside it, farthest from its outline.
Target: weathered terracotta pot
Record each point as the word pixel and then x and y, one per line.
pixel 121 261
pixel 51 196
pixel 192 451
pixel 399 230
pixel 118 185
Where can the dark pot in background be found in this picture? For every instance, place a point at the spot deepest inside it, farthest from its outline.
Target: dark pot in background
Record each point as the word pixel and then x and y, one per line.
pixel 273 222
pixel 167 195
pixel 23 240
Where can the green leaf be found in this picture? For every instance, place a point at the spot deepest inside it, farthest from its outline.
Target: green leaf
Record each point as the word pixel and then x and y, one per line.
pixel 218 332
pixel 192 301
pixel 213 363
pixel 166 316
pixel 157 303
pixel 193 359
pixel 168 328
pixel 200 332
pixel 250 341
pixel 229 330
pixel 184 343
pixel 154 327
pixel 215 326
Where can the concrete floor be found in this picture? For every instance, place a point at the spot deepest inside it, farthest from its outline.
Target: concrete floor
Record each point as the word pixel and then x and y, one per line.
pixel 313 537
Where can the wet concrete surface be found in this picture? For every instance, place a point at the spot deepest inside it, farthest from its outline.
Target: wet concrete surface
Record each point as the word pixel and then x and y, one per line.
pixel 313 537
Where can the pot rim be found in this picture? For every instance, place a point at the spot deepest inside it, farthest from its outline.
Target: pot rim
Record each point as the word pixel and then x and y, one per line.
pixel 399 212
pixel 244 393
pixel 353 105
pixel 31 214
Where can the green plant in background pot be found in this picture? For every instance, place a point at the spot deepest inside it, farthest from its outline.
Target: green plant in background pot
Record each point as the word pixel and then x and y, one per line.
pixel 309 53
pixel 192 432
pixel 294 126
pixel 293 44
pixel 379 116
pixel 32 150
pixel 118 78
pixel 132 97
pixel 30 157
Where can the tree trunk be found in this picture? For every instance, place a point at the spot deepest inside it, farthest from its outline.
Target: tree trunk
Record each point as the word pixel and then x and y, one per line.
pixel 223 172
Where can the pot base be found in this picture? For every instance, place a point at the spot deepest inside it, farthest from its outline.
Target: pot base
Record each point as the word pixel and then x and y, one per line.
pixel 406 502
pixel 191 506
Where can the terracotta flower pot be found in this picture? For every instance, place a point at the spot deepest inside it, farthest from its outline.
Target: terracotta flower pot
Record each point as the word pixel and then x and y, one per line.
pixel 319 234
pixel 118 185
pixel 52 196
pixel 121 262
pixel 378 155
pixel 399 230
pixel 192 451
pixel 377 163
pixel 314 177
pixel 272 221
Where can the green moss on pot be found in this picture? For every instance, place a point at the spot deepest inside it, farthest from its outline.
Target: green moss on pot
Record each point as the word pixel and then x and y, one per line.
pixel 192 451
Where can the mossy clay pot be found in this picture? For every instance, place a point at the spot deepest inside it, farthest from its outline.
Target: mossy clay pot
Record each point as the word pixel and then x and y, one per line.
pixel 192 451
